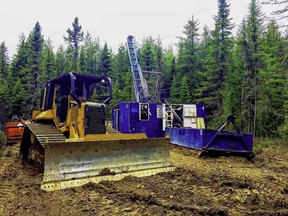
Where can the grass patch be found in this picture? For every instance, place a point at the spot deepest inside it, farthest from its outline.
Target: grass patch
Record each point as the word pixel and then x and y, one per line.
pixel 261 143
pixel 3 139
pixel 9 153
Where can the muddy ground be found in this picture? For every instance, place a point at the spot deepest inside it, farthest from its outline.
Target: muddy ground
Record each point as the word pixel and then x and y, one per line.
pixel 199 186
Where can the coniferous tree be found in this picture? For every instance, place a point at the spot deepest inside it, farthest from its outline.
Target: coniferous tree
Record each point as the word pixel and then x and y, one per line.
pixel 17 80
pixel 75 37
pixel 4 66
pixel 147 57
pixel 272 79
pixel 4 60
pixel 175 89
pixel 185 93
pixel 215 89
pixel 82 61
pixel 4 100
pixel 205 51
pixel 90 55
pixel 188 59
pixel 35 43
pixel 283 130
pixel 251 79
pixel 60 61
pixel 240 67
pixel 128 92
pixel 150 59
pixel 105 64
pixel 223 39
pixel 48 70
pixel 158 49
pixel 121 66
pixel 169 70
pixel 18 104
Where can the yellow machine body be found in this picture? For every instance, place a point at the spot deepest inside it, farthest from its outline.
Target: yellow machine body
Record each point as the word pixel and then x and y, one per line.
pixel 75 147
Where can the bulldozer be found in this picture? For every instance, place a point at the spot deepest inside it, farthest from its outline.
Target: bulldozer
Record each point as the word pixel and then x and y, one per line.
pixel 69 137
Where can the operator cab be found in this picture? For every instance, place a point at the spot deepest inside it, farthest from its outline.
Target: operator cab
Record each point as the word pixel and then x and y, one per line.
pixel 73 89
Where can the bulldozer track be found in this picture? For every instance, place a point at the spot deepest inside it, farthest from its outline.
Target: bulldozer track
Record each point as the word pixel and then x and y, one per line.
pixel 46 133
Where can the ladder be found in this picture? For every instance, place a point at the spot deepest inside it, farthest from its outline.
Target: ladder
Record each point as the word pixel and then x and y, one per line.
pixel 173 112
pixel 140 83
pixel 169 117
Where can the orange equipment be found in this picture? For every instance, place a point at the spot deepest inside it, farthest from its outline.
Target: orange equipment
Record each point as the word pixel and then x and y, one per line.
pixel 14 130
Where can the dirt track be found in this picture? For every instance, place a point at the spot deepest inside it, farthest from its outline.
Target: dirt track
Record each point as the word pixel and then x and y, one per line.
pixel 199 186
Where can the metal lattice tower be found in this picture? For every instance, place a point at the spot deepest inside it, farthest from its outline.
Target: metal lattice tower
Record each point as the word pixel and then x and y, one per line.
pixel 140 83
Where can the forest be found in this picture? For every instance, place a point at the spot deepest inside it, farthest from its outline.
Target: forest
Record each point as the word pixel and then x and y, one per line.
pixel 244 74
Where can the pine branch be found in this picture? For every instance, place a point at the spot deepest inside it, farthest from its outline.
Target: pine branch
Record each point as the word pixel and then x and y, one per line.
pixel 275 2
pixel 278 12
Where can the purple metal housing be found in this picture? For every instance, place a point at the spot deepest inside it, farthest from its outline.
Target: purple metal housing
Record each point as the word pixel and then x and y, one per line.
pixel 126 119
pixel 204 139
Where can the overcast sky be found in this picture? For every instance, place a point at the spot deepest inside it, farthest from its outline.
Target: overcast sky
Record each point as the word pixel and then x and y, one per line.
pixel 110 20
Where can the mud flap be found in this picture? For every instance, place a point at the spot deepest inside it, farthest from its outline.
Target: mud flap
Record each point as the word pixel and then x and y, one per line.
pixel 107 157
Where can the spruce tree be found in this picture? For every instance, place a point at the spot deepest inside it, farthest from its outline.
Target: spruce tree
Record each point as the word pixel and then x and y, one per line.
pixel 147 57
pixel 82 61
pixel 4 66
pixel 35 43
pixel 17 78
pixel 128 92
pixel 75 37
pixel 90 55
pixel 121 66
pixel 175 89
pixel 5 99
pixel 283 130
pixel 48 70
pixel 4 61
pixel 188 59
pixel 218 70
pixel 105 64
pixel 185 93
pixel 169 70
pixel 151 59
pixel 158 49
pixel 60 61
pixel 272 97
pixel 254 62
pixel 205 51
pixel 240 67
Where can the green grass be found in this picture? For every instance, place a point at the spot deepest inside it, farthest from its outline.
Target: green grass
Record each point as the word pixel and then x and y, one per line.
pixel 261 143
pixel 9 153
pixel 3 139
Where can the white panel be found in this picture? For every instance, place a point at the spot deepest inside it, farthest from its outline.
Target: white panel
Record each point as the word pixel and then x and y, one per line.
pixel 190 114
pixel 159 111
pixel 190 110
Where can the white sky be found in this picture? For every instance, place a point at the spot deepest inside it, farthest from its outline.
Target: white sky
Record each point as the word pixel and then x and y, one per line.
pixel 110 20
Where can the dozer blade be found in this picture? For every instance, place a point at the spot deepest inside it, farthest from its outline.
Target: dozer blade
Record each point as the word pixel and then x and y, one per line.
pixel 107 157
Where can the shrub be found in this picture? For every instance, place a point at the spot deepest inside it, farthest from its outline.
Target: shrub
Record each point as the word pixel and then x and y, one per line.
pixel 3 139
pixel 9 153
